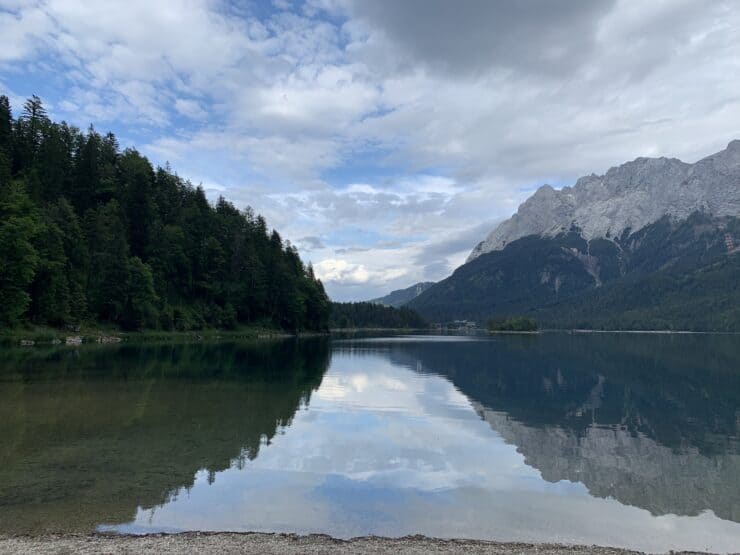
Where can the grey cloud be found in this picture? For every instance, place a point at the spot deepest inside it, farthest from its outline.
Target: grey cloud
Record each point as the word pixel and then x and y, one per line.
pixel 433 258
pixel 310 243
pixel 380 245
pixel 542 36
pixel 463 240
pixel 352 250
pixel 436 270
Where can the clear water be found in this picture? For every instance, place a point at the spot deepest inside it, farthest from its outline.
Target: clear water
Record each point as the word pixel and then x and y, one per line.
pixel 624 440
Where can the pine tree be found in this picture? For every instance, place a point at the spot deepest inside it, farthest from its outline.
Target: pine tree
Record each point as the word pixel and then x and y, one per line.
pixel 109 262
pixel 136 180
pixel 141 302
pixel 6 126
pixel 50 289
pixel 53 167
pixel 34 114
pixel 62 215
pixel 152 251
pixel 6 140
pixel 19 226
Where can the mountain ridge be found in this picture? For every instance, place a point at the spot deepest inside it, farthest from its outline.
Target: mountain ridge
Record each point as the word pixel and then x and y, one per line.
pixel 627 197
pixel 667 275
pixel 400 297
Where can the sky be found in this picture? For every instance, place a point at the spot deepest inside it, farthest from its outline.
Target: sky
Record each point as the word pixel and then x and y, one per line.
pixel 383 138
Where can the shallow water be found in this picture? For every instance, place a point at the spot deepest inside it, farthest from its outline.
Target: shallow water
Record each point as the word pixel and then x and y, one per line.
pixel 625 440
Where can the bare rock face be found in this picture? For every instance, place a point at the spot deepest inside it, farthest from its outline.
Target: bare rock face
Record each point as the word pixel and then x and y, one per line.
pixel 629 196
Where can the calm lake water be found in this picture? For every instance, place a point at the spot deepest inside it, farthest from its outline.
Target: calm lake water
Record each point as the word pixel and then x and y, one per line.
pixel 626 440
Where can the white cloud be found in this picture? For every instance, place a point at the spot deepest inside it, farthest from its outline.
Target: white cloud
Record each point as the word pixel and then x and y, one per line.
pixel 343 272
pixel 433 123
pixel 190 109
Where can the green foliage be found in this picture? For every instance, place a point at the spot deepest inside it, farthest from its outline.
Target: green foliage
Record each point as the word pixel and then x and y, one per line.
pixel 76 253
pixel 51 299
pixel 371 315
pixel 19 259
pixel 6 125
pixel 141 303
pixel 108 281
pixel 87 231
pixel 518 323
pixel 528 273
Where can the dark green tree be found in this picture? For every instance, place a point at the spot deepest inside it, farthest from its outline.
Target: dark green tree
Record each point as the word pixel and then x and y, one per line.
pixel 136 180
pixel 62 215
pixel 6 140
pixel 6 126
pixel 141 303
pixel 19 226
pixel 109 262
pixel 153 251
pixel 51 300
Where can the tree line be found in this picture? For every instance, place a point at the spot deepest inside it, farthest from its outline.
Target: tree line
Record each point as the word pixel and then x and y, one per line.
pixel 516 323
pixel 90 232
pixel 371 315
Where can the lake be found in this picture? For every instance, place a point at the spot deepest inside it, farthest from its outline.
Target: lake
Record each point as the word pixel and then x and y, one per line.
pixel 628 440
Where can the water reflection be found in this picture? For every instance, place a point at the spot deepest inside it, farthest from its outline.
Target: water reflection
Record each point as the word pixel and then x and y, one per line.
pixel 619 440
pixel 90 435
pixel 652 421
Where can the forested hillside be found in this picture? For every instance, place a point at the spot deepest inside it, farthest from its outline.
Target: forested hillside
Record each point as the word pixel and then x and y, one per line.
pixel 92 233
pixel 400 297
pixel 371 315
pixel 680 275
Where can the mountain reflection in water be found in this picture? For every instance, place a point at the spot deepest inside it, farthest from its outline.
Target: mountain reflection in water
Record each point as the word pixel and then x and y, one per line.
pixel 651 420
pixel 628 440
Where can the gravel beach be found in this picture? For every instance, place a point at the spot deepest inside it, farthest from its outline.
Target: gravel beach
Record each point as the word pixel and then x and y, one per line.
pixel 278 544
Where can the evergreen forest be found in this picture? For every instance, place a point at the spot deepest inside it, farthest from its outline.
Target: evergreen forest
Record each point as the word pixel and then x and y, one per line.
pixel 371 315
pixel 93 233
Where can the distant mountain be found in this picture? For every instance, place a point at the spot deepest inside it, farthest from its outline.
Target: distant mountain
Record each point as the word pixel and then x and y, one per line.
pixel 650 245
pixel 626 198
pixel 400 297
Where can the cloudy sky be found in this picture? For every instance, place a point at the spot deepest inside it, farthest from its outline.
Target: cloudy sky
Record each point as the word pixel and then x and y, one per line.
pixel 385 138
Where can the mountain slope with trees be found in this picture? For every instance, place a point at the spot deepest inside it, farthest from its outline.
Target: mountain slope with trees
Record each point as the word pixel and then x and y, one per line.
pixel 400 297
pixel 668 275
pixel 92 233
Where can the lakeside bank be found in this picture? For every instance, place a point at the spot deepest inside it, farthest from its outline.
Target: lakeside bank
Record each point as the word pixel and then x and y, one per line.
pixel 279 544
pixel 45 336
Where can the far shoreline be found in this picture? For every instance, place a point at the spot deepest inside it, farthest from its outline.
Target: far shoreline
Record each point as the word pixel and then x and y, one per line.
pixel 51 337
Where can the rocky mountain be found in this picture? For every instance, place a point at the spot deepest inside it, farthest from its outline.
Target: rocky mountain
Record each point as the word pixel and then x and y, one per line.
pixel 400 297
pixel 653 244
pixel 668 275
pixel 627 198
